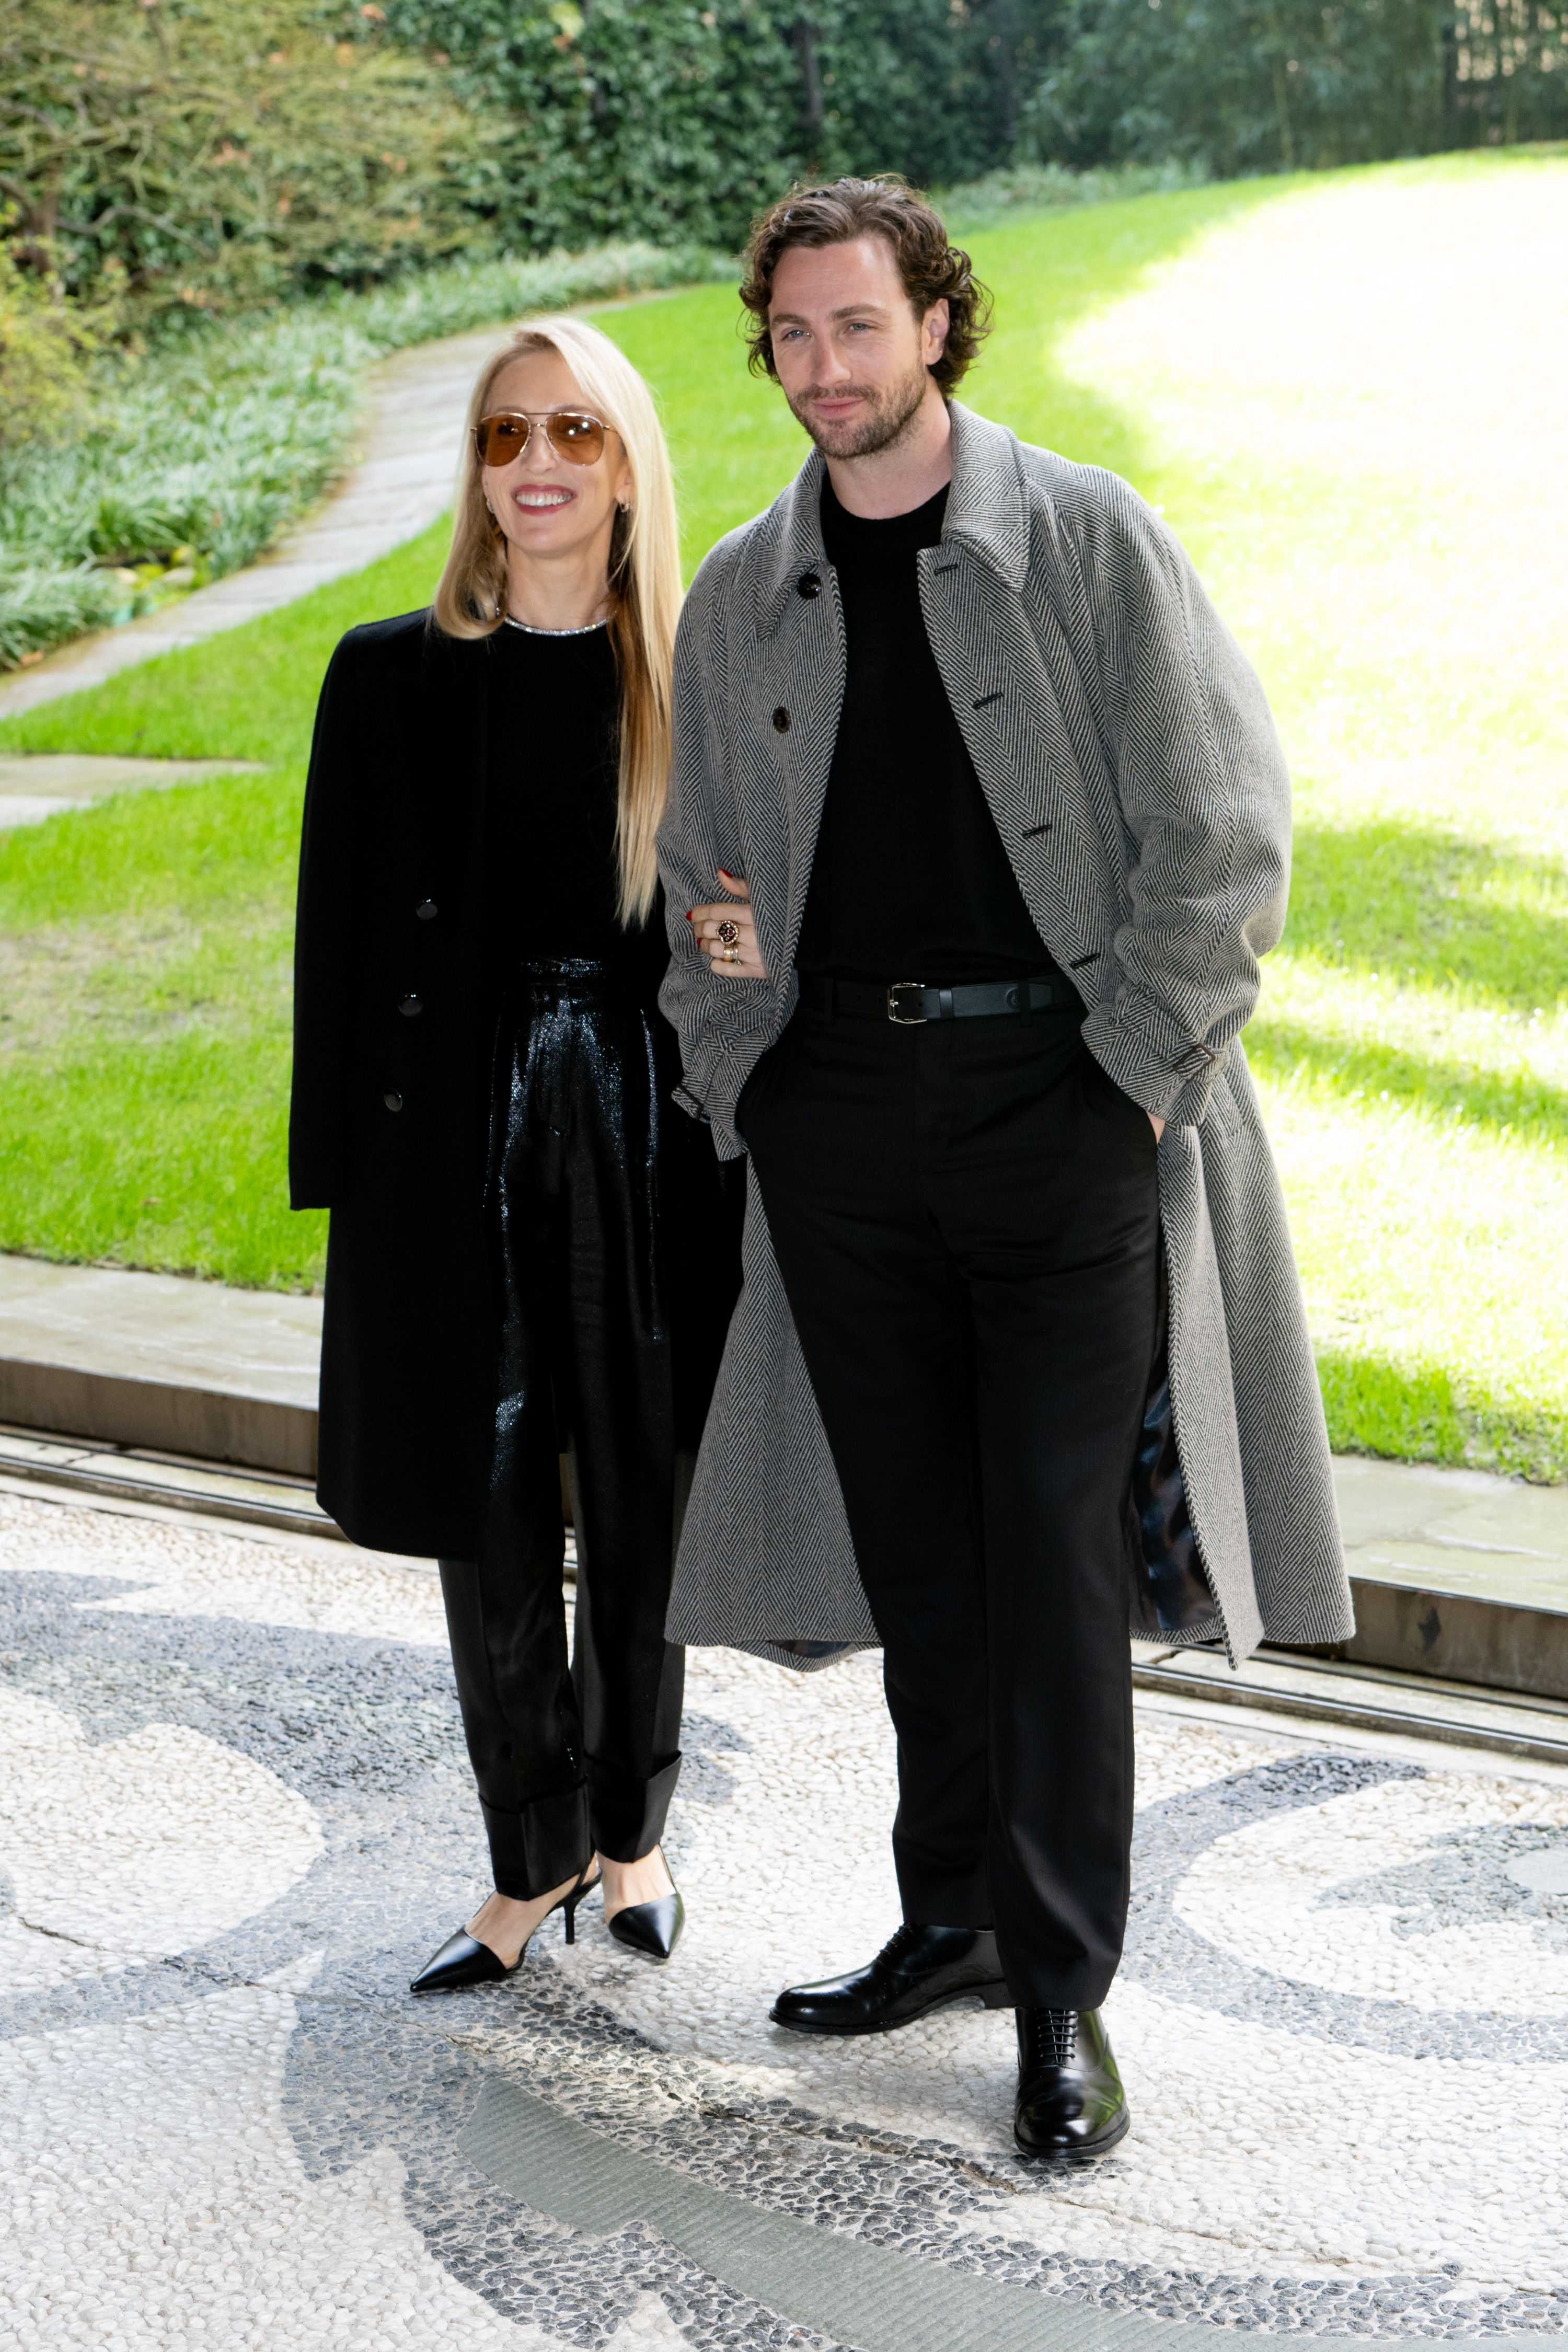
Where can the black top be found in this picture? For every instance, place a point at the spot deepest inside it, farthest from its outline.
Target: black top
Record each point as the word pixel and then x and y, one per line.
pixel 551 791
pixel 911 881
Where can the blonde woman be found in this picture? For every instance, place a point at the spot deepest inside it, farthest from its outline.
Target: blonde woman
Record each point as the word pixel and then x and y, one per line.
pixel 531 1252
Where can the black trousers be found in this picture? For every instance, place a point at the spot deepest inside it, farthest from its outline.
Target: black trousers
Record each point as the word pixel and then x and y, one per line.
pixel 965 1217
pixel 615 1242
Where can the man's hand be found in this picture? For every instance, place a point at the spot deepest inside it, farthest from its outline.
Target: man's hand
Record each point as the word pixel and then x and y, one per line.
pixel 727 934
pixel 1157 1124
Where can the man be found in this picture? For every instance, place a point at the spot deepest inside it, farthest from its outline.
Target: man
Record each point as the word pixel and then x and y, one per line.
pixel 1001 827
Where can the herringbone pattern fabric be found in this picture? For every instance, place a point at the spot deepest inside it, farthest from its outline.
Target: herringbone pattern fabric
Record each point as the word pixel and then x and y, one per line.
pixel 1130 764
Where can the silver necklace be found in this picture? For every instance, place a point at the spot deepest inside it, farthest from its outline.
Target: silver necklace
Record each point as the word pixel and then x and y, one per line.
pixel 530 630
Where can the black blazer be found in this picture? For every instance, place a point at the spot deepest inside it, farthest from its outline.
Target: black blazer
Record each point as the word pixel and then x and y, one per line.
pixel 385 1127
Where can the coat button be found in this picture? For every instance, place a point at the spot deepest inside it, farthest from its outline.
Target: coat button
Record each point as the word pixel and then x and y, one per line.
pixel 393 1100
pixel 411 1007
pixel 780 721
pixel 425 910
pixel 809 584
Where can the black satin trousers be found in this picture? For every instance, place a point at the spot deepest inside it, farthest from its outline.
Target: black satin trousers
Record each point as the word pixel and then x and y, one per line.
pixel 614 1249
pixel 965 1216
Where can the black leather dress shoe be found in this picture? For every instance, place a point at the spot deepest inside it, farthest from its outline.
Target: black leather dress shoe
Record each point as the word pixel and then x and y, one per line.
pixel 917 1970
pixel 1070 2100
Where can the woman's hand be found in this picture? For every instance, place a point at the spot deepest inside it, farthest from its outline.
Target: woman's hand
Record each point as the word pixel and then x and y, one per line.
pixel 727 934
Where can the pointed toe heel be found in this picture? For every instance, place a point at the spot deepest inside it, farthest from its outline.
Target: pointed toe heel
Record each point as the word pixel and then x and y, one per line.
pixel 464 1960
pixel 652 1928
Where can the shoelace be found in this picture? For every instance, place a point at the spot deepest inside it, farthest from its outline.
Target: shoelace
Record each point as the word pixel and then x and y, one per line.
pixel 1056 2035
pixel 897 1943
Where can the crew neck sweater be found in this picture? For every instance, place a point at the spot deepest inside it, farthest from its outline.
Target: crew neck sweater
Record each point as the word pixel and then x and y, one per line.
pixel 911 881
pixel 552 791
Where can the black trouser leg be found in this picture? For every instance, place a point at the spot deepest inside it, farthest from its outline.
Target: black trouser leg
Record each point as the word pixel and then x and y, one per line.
pixel 616 1402
pixel 568 1759
pixel 966 1220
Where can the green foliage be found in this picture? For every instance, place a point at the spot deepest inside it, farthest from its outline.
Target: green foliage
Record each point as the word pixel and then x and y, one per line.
pixel 47 344
pixel 643 118
pixel 221 153
pixel 1238 85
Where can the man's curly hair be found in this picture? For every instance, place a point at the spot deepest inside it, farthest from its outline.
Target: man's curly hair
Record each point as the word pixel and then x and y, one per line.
pixel 840 210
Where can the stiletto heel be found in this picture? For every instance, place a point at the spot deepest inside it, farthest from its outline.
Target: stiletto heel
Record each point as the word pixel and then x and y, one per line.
pixel 584 1886
pixel 652 1928
pixel 464 1960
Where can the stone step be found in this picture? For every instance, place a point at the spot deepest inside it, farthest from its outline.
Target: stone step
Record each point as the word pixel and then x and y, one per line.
pixel 151 1361
pixel 173 1388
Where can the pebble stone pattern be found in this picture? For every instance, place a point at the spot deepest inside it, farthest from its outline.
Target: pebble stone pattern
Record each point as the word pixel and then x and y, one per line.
pixel 236 1814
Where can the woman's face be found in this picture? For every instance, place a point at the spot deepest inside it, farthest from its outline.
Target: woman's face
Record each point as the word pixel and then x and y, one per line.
pixel 549 509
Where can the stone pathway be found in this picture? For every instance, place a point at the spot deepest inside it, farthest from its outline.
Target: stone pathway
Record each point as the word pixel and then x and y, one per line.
pixel 236 1814
pixel 411 434
pixel 42 783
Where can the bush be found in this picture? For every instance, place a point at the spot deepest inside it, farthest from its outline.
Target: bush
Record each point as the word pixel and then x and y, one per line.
pixel 649 118
pixel 222 153
pixel 47 345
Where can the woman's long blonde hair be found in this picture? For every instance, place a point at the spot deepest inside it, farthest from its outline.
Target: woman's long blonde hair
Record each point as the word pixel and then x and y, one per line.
pixel 645 576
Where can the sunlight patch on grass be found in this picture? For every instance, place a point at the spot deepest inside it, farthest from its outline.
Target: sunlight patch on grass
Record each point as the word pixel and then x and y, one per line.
pixel 1354 393
pixel 1425 1245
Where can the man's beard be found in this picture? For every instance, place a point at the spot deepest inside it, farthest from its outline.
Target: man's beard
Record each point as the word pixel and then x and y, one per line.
pixel 894 409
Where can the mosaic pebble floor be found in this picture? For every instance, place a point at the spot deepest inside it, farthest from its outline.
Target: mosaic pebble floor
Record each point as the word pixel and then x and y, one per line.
pixel 234 1814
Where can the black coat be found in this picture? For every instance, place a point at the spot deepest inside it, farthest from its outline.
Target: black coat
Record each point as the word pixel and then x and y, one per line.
pixel 386 1126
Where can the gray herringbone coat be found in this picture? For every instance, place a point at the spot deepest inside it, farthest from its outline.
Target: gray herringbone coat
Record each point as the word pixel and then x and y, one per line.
pixel 1128 758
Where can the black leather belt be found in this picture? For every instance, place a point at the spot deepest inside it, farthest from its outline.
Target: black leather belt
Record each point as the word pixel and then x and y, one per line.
pixel 911 1002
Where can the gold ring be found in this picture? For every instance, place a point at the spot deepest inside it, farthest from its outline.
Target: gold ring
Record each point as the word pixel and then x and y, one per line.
pixel 731 955
pixel 728 933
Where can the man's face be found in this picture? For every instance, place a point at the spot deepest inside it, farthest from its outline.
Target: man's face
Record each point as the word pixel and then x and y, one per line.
pixel 851 352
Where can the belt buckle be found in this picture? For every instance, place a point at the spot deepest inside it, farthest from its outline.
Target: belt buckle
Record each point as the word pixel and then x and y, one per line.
pixel 906 1020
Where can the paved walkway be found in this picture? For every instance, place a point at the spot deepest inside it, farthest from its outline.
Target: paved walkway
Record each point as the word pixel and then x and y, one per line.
pixel 41 783
pixel 411 434
pixel 235 1814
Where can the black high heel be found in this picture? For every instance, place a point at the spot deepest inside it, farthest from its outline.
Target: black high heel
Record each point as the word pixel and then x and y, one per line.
pixel 652 1928
pixel 464 1960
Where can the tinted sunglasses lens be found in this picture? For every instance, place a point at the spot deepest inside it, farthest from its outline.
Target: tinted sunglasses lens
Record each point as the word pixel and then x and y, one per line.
pixel 502 438
pixel 577 439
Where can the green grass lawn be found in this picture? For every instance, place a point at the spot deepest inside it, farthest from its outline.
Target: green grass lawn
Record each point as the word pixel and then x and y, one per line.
pixel 1413 1039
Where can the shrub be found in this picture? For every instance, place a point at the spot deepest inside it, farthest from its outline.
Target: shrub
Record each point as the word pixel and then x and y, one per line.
pixel 221 153
pixel 47 345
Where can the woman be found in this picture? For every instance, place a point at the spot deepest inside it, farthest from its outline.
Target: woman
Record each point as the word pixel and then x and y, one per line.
pixel 530 1253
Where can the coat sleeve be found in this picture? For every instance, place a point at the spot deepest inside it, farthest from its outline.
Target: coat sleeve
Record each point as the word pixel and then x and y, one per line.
pixel 715 1021
pixel 324 927
pixel 1205 800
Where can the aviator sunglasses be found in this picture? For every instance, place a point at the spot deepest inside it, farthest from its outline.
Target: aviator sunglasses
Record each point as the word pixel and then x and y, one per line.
pixel 572 433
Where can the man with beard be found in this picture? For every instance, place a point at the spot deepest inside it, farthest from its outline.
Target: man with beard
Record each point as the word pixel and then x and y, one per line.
pixel 1001 827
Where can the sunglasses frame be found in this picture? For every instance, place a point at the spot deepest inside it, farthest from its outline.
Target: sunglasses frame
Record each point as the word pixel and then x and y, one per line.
pixel 540 420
